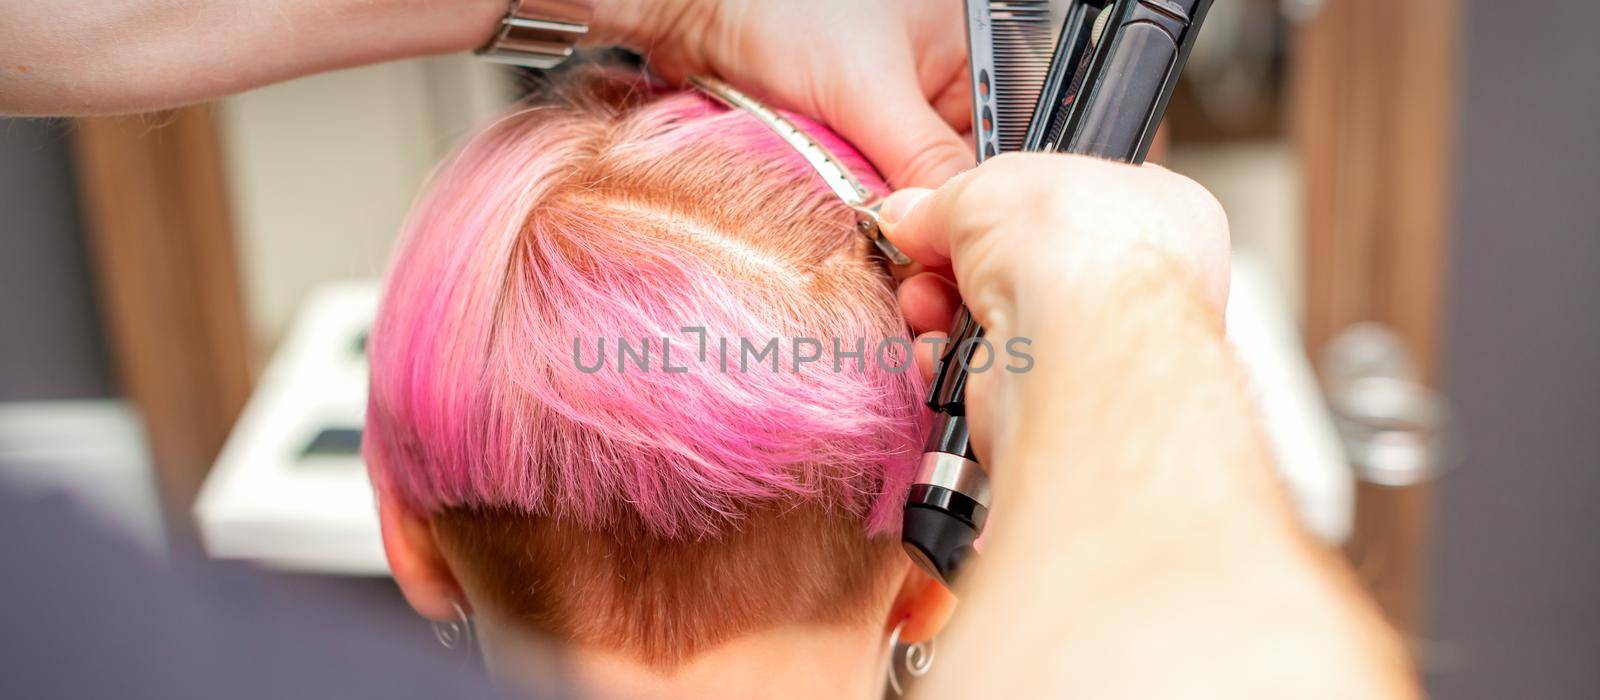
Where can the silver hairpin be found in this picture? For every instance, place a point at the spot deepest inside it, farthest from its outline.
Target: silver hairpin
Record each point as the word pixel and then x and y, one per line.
pixel 834 173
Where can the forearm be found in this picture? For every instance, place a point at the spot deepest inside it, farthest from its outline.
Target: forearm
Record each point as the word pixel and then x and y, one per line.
pixel 1137 518
pixel 136 55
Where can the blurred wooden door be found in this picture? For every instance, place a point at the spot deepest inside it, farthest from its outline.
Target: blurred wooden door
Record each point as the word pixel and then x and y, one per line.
pixel 1373 115
pixel 160 240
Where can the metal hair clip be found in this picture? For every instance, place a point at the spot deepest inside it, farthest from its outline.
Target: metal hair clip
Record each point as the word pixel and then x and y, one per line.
pixel 827 165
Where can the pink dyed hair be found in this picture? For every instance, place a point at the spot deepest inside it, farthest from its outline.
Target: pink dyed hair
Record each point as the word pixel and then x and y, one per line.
pixel 630 215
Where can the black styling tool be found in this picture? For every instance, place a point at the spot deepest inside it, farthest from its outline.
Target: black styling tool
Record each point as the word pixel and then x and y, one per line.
pixel 1106 90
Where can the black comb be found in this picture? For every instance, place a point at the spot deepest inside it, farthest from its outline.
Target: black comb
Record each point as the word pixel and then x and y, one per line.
pixel 1009 45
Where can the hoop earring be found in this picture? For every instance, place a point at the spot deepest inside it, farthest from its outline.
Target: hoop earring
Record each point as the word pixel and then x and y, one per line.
pixel 458 633
pixel 917 658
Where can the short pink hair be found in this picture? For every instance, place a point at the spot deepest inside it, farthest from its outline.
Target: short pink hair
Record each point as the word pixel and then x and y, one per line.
pixel 631 213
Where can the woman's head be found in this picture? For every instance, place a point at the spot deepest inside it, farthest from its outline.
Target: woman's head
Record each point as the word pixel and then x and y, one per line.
pixel 616 394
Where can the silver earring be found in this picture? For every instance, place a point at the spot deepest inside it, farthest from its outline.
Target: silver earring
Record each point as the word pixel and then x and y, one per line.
pixel 456 634
pixel 917 658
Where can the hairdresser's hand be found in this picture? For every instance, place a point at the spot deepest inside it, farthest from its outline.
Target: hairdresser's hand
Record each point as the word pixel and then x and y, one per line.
pixel 1134 500
pixel 888 75
pixel 1035 238
pixel 1024 230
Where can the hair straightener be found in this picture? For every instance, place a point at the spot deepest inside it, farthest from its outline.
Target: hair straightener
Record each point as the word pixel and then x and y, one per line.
pixel 1106 87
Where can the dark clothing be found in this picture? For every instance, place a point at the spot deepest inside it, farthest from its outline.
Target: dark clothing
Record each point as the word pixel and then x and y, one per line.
pixel 87 614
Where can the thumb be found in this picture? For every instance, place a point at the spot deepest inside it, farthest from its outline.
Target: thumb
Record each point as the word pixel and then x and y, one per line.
pixel 927 250
pixel 902 135
pixel 923 223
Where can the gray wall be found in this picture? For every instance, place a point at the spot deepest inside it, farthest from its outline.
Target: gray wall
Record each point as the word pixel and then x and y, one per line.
pixel 50 345
pixel 1517 558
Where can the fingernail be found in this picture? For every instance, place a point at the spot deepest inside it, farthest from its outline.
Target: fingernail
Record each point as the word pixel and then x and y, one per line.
pixel 896 206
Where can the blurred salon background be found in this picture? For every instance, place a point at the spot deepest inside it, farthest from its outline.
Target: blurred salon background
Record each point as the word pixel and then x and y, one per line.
pixel 1412 189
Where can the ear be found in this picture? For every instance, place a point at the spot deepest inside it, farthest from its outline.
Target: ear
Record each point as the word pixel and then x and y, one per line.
pixel 923 604
pixel 416 561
